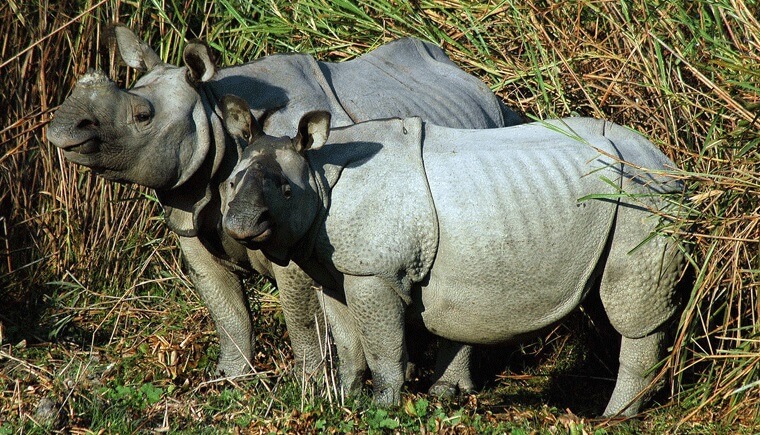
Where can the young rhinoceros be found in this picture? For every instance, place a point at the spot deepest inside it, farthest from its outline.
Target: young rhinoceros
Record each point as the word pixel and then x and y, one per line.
pixel 484 236
pixel 165 133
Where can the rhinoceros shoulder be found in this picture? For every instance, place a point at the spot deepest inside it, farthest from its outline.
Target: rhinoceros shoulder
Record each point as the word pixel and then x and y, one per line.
pixel 381 218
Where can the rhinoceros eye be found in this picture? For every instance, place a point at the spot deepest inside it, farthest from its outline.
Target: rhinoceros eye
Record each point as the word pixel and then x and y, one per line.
pixel 142 113
pixel 287 192
pixel 142 117
pixel 236 179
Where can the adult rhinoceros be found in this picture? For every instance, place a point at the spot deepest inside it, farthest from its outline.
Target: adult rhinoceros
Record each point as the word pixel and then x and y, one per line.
pixel 484 236
pixel 165 133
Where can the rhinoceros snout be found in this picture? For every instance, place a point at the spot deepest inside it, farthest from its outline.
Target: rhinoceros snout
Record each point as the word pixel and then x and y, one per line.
pixel 248 227
pixel 75 127
pixel 79 136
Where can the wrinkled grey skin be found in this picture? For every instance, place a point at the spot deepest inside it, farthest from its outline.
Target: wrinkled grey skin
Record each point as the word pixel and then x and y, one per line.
pixel 165 133
pixel 483 236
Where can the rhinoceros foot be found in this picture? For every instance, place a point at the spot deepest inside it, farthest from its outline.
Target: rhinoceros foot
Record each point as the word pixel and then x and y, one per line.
pixel 449 390
pixel 232 367
pixel 443 390
pixel 635 377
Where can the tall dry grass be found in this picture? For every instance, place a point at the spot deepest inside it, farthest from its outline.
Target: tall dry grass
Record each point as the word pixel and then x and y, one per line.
pixel 58 223
pixel 684 73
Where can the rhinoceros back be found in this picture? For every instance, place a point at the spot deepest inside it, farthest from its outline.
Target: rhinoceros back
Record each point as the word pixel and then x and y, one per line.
pixel 404 78
pixel 524 216
pixel 647 169
pixel 409 77
pixel 280 89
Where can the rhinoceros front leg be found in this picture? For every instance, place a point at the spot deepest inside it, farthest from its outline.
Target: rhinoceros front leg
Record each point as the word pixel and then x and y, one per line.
pixel 303 316
pixel 222 292
pixel 452 369
pixel 351 362
pixel 379 314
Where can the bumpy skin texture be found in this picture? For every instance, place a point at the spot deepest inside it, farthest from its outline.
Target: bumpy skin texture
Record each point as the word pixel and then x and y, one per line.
pixel 447 226
pixel 165 133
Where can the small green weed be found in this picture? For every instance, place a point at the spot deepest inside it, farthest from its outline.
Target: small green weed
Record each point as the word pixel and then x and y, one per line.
pixel 378 420
pixel 138 398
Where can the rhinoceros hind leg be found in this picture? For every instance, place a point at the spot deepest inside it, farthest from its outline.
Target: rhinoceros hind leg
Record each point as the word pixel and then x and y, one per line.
pixel 638 290
pixel 452 370
pixel 638 357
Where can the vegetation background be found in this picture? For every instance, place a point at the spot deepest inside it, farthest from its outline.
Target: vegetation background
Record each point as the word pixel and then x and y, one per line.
pixel 100 330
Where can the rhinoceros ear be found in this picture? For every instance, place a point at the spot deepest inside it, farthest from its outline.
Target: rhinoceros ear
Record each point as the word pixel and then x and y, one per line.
pixel 238 119
pixel 200 62
pixel 313 130
pixel 135 53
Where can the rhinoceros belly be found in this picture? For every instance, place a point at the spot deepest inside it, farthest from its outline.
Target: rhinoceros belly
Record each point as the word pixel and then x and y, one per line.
pixel 517 245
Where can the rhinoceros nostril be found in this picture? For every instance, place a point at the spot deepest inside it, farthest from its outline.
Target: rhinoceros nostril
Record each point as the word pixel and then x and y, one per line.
pixel 263 218
pixel 86 124
pixel 235 230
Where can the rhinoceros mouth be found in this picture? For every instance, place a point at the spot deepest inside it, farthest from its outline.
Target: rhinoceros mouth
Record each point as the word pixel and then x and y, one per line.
pixel 263 236
pixel 258 241
pixel 90 146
